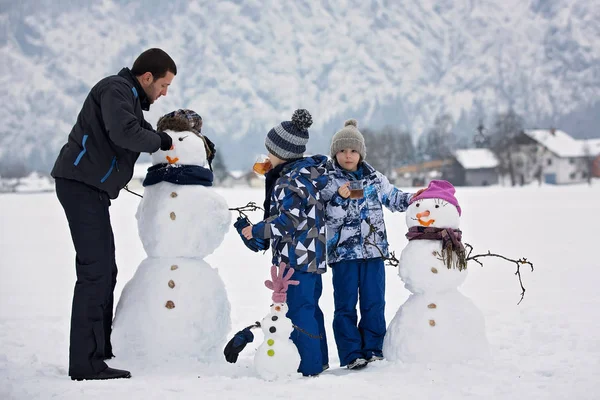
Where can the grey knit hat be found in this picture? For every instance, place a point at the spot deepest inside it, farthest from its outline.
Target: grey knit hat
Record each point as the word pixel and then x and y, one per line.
pixel 288 140
pixel 349 137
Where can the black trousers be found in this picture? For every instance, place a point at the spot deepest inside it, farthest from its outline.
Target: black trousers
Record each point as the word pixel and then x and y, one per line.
pixel 86 209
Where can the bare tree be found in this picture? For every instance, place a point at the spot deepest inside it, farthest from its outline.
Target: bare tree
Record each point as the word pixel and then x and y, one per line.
pixel 388 149
pixel 14 169
pixel 439 142
pixel 588 162
pixel 219 169
pixel 505 130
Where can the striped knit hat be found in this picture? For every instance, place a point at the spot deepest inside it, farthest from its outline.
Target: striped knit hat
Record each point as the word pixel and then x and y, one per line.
pixel 287 140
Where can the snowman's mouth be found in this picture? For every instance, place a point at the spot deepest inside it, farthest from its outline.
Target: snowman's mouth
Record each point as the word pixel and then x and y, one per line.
pixel 425 223
pixel 172 160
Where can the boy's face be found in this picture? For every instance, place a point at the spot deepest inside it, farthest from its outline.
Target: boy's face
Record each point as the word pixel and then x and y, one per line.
pixel 348 159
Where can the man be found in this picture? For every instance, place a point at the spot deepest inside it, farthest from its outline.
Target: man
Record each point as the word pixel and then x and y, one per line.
pixel 92 167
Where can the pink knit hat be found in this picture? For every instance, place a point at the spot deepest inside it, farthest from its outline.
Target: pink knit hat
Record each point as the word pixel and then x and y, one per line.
pixel 439 189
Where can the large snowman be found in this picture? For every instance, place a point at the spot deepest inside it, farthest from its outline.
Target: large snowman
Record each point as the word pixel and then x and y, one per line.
pixel 277 357
pixel 437 323
pixel 175 307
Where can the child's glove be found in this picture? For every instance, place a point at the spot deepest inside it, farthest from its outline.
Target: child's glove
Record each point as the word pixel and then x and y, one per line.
pixel 279 284
pixel 254 244
pixel 237 344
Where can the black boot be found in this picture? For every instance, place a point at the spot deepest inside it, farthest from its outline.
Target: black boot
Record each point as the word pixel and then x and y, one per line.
pixel 108 373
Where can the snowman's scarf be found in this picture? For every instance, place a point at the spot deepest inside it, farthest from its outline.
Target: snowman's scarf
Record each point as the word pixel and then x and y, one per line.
pixel 178 175
pixel 451 243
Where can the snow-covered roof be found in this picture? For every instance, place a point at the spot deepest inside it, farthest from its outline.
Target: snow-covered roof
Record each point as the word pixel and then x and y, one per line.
pixel 594 146
pixel 559 142
pixel 476 158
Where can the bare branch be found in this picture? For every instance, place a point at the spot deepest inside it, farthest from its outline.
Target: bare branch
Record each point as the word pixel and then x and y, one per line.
pixel 518 263
pixel 251 206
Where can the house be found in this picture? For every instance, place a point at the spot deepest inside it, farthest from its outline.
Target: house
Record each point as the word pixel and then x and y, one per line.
pixel 472 167
pixel 419 174
pixel 560 159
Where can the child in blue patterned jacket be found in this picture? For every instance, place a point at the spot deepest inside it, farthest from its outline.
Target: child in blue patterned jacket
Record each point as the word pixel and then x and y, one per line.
pixel 295 225
pixel 356 246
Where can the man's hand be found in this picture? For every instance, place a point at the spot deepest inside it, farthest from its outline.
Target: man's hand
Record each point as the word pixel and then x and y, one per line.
pixel 166 142
pixel 247 232
pixel 344 190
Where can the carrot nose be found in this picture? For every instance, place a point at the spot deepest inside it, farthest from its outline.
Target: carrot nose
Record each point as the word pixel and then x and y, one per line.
pixel 423 214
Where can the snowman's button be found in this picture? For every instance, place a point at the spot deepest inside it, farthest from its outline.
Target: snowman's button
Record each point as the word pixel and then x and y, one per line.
pixel 434 270
pixel 270 352
pixel 171 284
pixel 174 267
pixel 432 322
pixel 270 342
pixel 172 215
pixel 432 305
pixel 173 194
pixel 170 305
pixel 274 318
pixel 272 329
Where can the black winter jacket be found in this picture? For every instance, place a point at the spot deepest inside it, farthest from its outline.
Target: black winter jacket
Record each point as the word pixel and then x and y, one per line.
pixel 108 136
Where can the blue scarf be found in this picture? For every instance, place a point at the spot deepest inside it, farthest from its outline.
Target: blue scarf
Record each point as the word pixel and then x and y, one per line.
pixel 178 175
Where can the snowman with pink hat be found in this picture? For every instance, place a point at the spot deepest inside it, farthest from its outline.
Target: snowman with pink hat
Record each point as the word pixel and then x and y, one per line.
pixel 437 323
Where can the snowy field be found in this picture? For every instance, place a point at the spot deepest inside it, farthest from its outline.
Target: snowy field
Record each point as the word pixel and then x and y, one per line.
pixel 546 348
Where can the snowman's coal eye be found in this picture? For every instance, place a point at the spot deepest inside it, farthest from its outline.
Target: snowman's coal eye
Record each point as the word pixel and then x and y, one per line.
pixel 437 206
pixel 181 138
pixel 418 204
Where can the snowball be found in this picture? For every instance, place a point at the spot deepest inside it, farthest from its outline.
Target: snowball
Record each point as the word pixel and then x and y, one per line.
pixel 147 333
pixel 182 220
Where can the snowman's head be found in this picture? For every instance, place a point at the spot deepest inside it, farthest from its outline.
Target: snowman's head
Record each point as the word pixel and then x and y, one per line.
pixel 276 324
pixel 188 149
pixel 435 207
pixel 435 213
pixel 189 145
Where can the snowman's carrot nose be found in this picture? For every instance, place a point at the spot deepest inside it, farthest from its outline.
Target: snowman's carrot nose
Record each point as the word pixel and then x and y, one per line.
pixel 423 214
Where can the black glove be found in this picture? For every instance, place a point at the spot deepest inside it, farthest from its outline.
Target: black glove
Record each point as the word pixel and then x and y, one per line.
pixel 240 224
pixel 237 344
pixel 165 141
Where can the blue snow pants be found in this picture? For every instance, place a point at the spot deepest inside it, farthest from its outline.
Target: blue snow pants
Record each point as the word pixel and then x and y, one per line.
pixel 351 279
pixel 309 334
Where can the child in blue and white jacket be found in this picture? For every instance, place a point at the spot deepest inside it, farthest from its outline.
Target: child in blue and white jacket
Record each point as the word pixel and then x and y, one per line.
pixel 356 245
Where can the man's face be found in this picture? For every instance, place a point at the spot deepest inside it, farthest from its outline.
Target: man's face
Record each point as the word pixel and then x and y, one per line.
pixel 156 88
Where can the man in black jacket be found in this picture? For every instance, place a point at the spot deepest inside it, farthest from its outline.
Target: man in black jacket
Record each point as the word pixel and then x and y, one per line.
pixel 92 167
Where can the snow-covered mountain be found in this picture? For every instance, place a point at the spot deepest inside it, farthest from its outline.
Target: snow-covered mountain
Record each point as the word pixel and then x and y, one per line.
pixel 246 65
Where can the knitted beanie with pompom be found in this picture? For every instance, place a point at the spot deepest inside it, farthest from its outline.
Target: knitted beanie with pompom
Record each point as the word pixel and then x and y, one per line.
pixel 288 139
pixel 349 137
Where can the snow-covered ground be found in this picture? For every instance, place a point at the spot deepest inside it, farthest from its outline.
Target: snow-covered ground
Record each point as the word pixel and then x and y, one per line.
pixel 546 348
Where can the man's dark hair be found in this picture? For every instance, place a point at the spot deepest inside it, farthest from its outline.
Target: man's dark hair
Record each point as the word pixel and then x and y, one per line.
pixel 155 61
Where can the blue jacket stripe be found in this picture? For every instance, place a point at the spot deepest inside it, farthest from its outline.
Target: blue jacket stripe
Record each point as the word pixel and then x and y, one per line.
pixel 82 152
pixel 135 93
pixel 110 170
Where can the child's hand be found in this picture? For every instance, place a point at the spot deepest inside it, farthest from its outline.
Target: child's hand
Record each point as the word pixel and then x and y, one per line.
pixel 247 232
pixel 418 192
pixel 344 190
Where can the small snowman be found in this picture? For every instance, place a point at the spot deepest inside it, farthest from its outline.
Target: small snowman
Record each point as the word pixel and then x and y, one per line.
pixel 277 357
pixel 175 307
pixel 437 323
